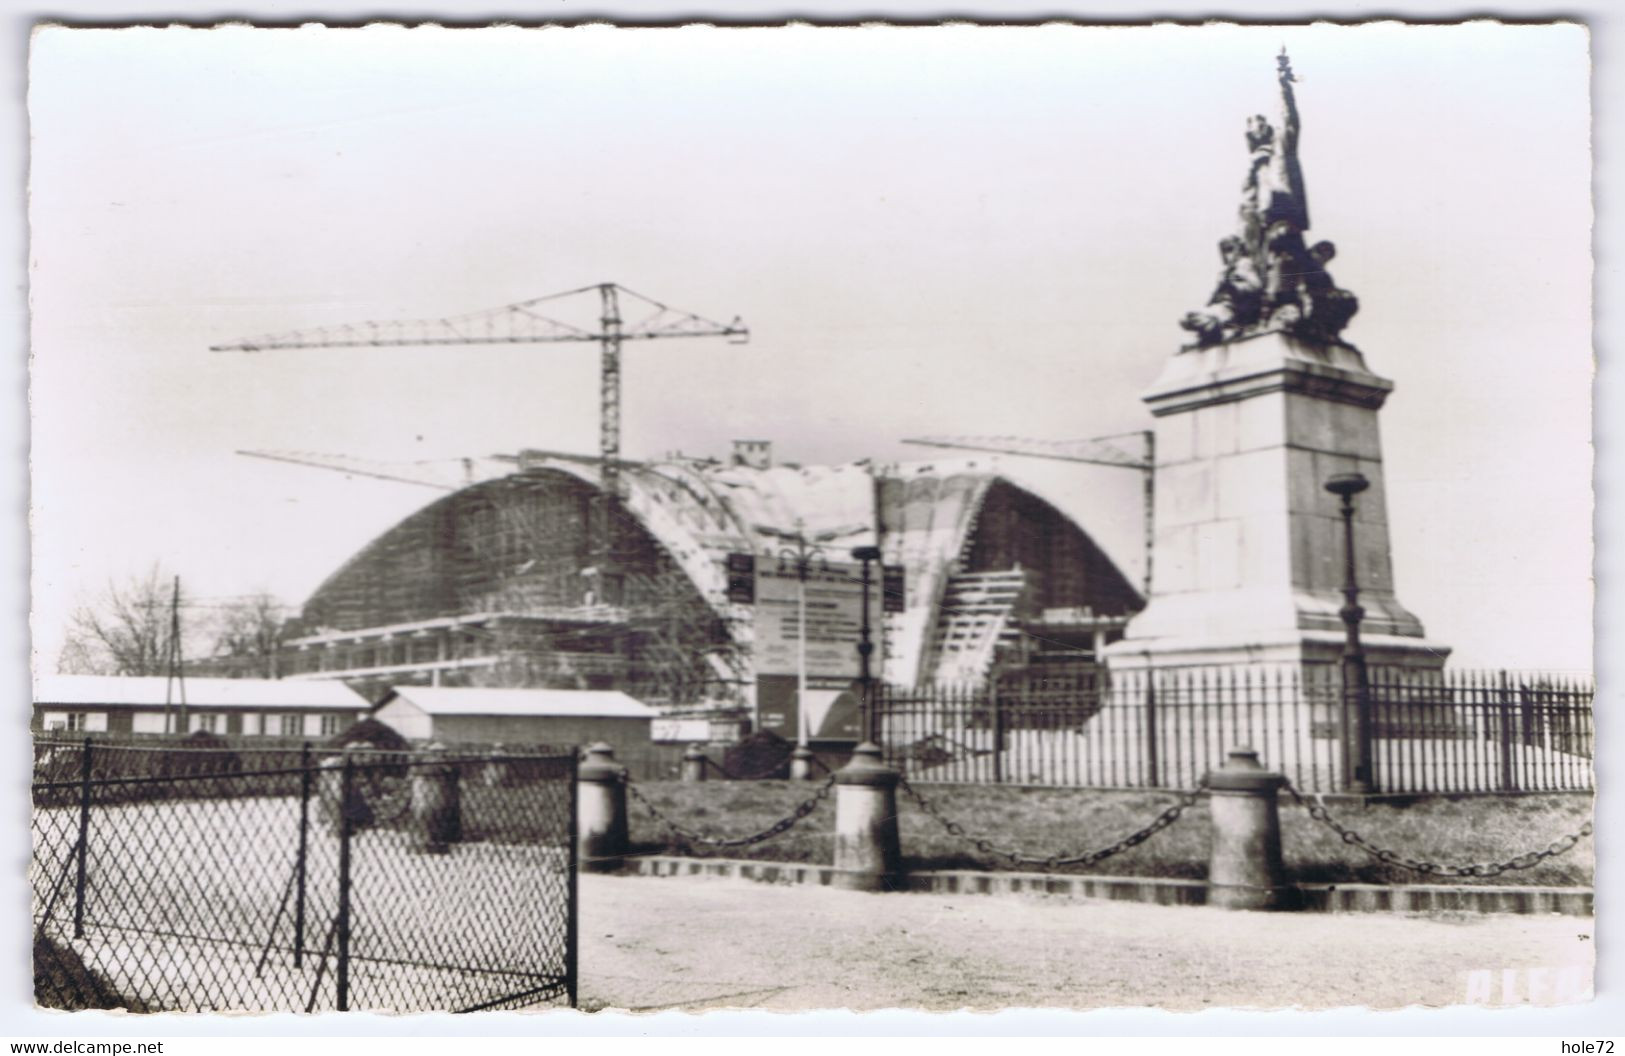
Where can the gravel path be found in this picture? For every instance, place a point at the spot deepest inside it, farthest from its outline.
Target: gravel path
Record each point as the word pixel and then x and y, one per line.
pixel 709 943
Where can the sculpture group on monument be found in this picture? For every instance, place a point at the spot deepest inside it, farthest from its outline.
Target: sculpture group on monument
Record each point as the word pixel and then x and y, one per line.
pixel 1270 279
pixel 1253 417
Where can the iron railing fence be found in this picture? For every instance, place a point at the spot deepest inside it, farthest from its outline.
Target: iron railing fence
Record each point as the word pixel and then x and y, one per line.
pixel 1481 731
pixel 409 881
pixel 1457 731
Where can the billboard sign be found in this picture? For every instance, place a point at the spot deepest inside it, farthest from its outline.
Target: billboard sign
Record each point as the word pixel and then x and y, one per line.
pixel 834 610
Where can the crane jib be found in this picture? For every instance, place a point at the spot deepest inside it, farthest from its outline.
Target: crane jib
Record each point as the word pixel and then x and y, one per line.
pixel 517 324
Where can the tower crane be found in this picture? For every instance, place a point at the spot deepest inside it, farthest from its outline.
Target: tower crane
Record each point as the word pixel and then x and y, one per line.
pixel 1096 451
pixel 522 323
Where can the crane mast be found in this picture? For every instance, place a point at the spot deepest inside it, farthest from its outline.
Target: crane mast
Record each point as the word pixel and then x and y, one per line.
pixel 609 410
pixel 522 323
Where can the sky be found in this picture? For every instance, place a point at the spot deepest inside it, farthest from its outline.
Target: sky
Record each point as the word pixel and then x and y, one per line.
pixel 929 231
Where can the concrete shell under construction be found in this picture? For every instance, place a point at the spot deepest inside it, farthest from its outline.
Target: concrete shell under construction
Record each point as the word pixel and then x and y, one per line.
pixel 499 584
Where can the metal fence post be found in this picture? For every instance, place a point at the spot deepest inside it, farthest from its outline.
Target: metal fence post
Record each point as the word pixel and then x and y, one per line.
pixel 997 705
pixel 1528 727
pixel 572 908
pixel 84 842
pixel 1504 726
pixel 1152 767
pixel 343 928
pixel 305 776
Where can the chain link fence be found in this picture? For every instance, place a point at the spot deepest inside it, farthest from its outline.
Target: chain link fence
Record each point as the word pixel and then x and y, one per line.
pixel 302 880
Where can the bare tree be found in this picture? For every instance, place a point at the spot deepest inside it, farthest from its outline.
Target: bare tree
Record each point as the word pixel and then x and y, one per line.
pixel 124 631
pixel 128 629
pixel 248 634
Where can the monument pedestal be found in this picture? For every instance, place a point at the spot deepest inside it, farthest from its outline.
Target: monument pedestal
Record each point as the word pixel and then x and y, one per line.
pixel 1291 649
pixel 1248 549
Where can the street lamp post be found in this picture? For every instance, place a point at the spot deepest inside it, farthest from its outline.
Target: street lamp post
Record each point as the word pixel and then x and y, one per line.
pixel 1357 775
pixel 800 557
pixel 868 555
pixel 799 553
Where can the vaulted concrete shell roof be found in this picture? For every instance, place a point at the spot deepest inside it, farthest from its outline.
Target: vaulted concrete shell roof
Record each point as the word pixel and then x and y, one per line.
pixel 699 511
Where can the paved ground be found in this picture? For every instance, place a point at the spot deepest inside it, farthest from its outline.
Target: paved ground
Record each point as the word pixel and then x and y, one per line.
pixel 651 943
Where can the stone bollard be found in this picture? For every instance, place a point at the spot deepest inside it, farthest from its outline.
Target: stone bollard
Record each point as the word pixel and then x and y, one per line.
pixel 437 802
pixel 329 790
pixel 694 764
pixel 868 854
pixel 801 764
pixel 329 782
pixel 497 771
pixel 601 810
pixel 1246 871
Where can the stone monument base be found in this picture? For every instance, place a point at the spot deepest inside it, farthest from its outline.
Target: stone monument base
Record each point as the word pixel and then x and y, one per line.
pixel 1281 695
pixel 1302 648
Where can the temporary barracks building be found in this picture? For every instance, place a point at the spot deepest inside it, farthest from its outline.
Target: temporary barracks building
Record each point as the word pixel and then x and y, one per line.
pixel 494 584
pixel 245 706
pixel 516 716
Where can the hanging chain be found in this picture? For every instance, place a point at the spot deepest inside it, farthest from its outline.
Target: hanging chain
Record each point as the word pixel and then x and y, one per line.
pixel 1529 859
pixel 804 808
pixel 986 846
pixel 757 776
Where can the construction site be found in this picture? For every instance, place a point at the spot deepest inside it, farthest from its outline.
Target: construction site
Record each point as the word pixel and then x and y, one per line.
pixel 545 569
pixel 1000 633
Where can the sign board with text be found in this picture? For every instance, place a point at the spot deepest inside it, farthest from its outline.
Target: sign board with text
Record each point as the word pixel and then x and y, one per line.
pixel 834 611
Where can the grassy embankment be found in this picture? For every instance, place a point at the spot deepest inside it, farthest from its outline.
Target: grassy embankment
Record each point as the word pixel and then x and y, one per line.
pixel 1042 821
